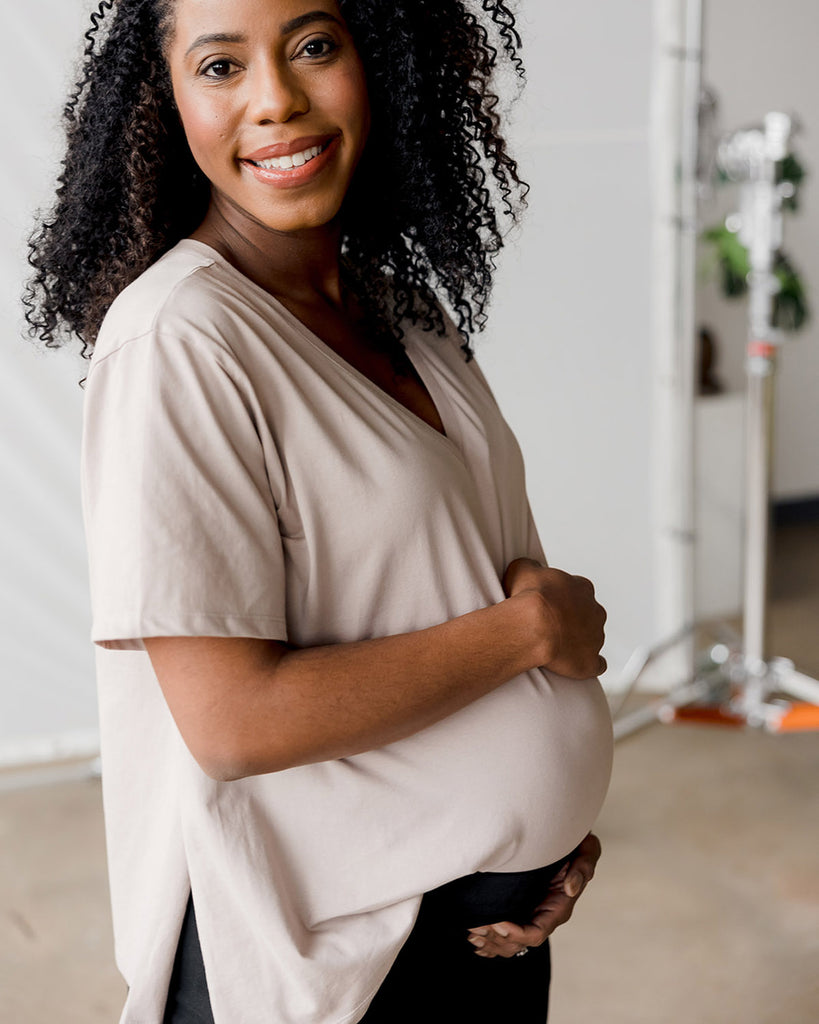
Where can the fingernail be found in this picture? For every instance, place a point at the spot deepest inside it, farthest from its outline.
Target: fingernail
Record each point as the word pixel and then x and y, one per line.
pixel 504 932
pixel 573 884
pixel 479 943
pixel 478 931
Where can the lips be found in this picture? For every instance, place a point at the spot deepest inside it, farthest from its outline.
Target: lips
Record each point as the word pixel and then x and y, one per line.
pixel 291 163
pixel 285 162
pixel 289 148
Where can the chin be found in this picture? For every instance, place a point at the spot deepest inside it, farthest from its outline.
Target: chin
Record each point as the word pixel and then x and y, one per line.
pixel 302 219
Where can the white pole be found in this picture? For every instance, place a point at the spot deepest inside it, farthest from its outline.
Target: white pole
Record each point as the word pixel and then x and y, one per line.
pixel 675 108
pixel 687 309
pixel 761 231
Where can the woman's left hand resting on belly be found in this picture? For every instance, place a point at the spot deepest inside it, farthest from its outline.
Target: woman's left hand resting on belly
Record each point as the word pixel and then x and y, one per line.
pixel 507 939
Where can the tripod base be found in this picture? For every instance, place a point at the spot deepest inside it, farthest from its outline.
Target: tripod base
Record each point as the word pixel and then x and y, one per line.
pixel 797 716
pixel 732 691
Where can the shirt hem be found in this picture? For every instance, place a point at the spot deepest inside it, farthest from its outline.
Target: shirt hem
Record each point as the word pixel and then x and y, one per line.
pixel 130 636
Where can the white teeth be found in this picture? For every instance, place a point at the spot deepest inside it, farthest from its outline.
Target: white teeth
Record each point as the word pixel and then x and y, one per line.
pixel 285 163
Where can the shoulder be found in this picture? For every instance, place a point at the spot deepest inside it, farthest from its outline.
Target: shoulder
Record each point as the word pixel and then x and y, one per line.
pixel 169 363
pixel 157 297
pixel 189 296
pixel 173 337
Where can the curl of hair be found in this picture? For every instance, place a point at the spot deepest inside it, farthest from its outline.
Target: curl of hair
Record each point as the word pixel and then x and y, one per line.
pixel 420 220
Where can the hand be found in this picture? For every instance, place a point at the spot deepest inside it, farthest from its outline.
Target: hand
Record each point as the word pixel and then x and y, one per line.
pixel 507 939
pixel 574 621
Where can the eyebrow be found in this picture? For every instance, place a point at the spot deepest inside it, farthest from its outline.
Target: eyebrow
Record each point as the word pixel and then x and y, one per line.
pixel 215 37
pixel 289 26
pixel 306 19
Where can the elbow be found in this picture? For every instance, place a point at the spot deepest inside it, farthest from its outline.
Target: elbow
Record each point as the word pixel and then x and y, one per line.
pixel 220 760
pixel 230 763
pixel 221 771
pixel 216 766
pixel 223 765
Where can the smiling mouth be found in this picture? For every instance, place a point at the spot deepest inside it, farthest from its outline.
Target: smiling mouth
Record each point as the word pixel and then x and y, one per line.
pixel 286 163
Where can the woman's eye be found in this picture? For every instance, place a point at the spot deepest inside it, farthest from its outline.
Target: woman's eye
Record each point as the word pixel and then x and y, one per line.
pixel 217 69
pixel 319 48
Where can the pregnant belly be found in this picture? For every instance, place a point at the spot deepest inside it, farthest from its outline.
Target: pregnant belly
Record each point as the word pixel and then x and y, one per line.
pixel 527 770
pixel 511 783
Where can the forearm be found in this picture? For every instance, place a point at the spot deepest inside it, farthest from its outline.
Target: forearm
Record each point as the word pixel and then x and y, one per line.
pixel 247 707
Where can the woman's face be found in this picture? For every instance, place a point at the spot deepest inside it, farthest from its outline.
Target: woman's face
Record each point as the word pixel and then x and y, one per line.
pixel 273 100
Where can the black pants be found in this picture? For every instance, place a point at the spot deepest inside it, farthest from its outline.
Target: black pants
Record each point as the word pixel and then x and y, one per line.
pixel 437 978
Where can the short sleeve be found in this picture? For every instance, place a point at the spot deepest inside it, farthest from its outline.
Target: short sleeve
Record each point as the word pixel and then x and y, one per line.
pixel 178 497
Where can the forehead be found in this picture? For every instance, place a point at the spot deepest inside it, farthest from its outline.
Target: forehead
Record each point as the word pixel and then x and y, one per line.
pixel 269 15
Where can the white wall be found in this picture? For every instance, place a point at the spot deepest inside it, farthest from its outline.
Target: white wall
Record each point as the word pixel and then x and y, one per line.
pixel 761 56
pixel 569 348
pixel 47 700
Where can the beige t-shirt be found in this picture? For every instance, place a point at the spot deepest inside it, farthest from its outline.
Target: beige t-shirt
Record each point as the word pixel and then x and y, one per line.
pixel 240 479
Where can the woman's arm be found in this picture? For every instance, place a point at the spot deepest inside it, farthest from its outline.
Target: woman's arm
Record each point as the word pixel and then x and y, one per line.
pixel 247 706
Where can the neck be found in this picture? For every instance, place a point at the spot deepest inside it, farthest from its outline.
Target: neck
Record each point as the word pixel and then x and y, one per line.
pixel 300 266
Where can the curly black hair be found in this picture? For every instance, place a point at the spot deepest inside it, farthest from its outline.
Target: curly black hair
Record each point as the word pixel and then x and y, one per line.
pixel 129 188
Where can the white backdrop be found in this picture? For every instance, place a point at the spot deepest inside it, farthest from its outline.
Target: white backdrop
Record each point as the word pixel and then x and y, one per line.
pixel 569 350
pixel 47 693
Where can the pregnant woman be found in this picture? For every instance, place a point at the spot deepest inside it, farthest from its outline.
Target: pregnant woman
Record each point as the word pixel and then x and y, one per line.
pixel 353 742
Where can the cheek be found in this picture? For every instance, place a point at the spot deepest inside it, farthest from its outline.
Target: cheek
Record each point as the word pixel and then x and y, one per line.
pixel 350 97
pixel 206 128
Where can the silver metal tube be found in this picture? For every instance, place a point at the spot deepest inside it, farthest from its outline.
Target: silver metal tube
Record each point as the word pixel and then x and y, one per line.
pixel 762 227
pixel 678 697
pixel 759 413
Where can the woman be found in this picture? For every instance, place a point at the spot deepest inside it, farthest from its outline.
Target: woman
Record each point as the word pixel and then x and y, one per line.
pixel 335 676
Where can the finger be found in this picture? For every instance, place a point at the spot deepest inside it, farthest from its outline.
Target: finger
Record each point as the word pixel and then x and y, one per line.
pixel 506 935
pixel 574 883
pixel 505 939
pixel 513 952
pixel 483 947
pixel 557 912
pixel 506 952
pixel 589 849
pixel 491 947
pixel 506 932
pixel 582 865
pixel 516 571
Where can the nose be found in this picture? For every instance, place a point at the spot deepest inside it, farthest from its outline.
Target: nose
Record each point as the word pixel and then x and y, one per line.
pixel 276 94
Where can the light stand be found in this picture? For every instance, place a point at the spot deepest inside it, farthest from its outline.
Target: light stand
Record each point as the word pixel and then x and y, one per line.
pixel 742 688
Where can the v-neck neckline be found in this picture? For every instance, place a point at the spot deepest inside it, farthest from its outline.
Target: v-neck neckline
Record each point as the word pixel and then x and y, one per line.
pixel 330 353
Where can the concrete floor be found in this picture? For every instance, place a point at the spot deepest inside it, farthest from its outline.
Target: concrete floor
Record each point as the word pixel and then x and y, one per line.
pixel 705 909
